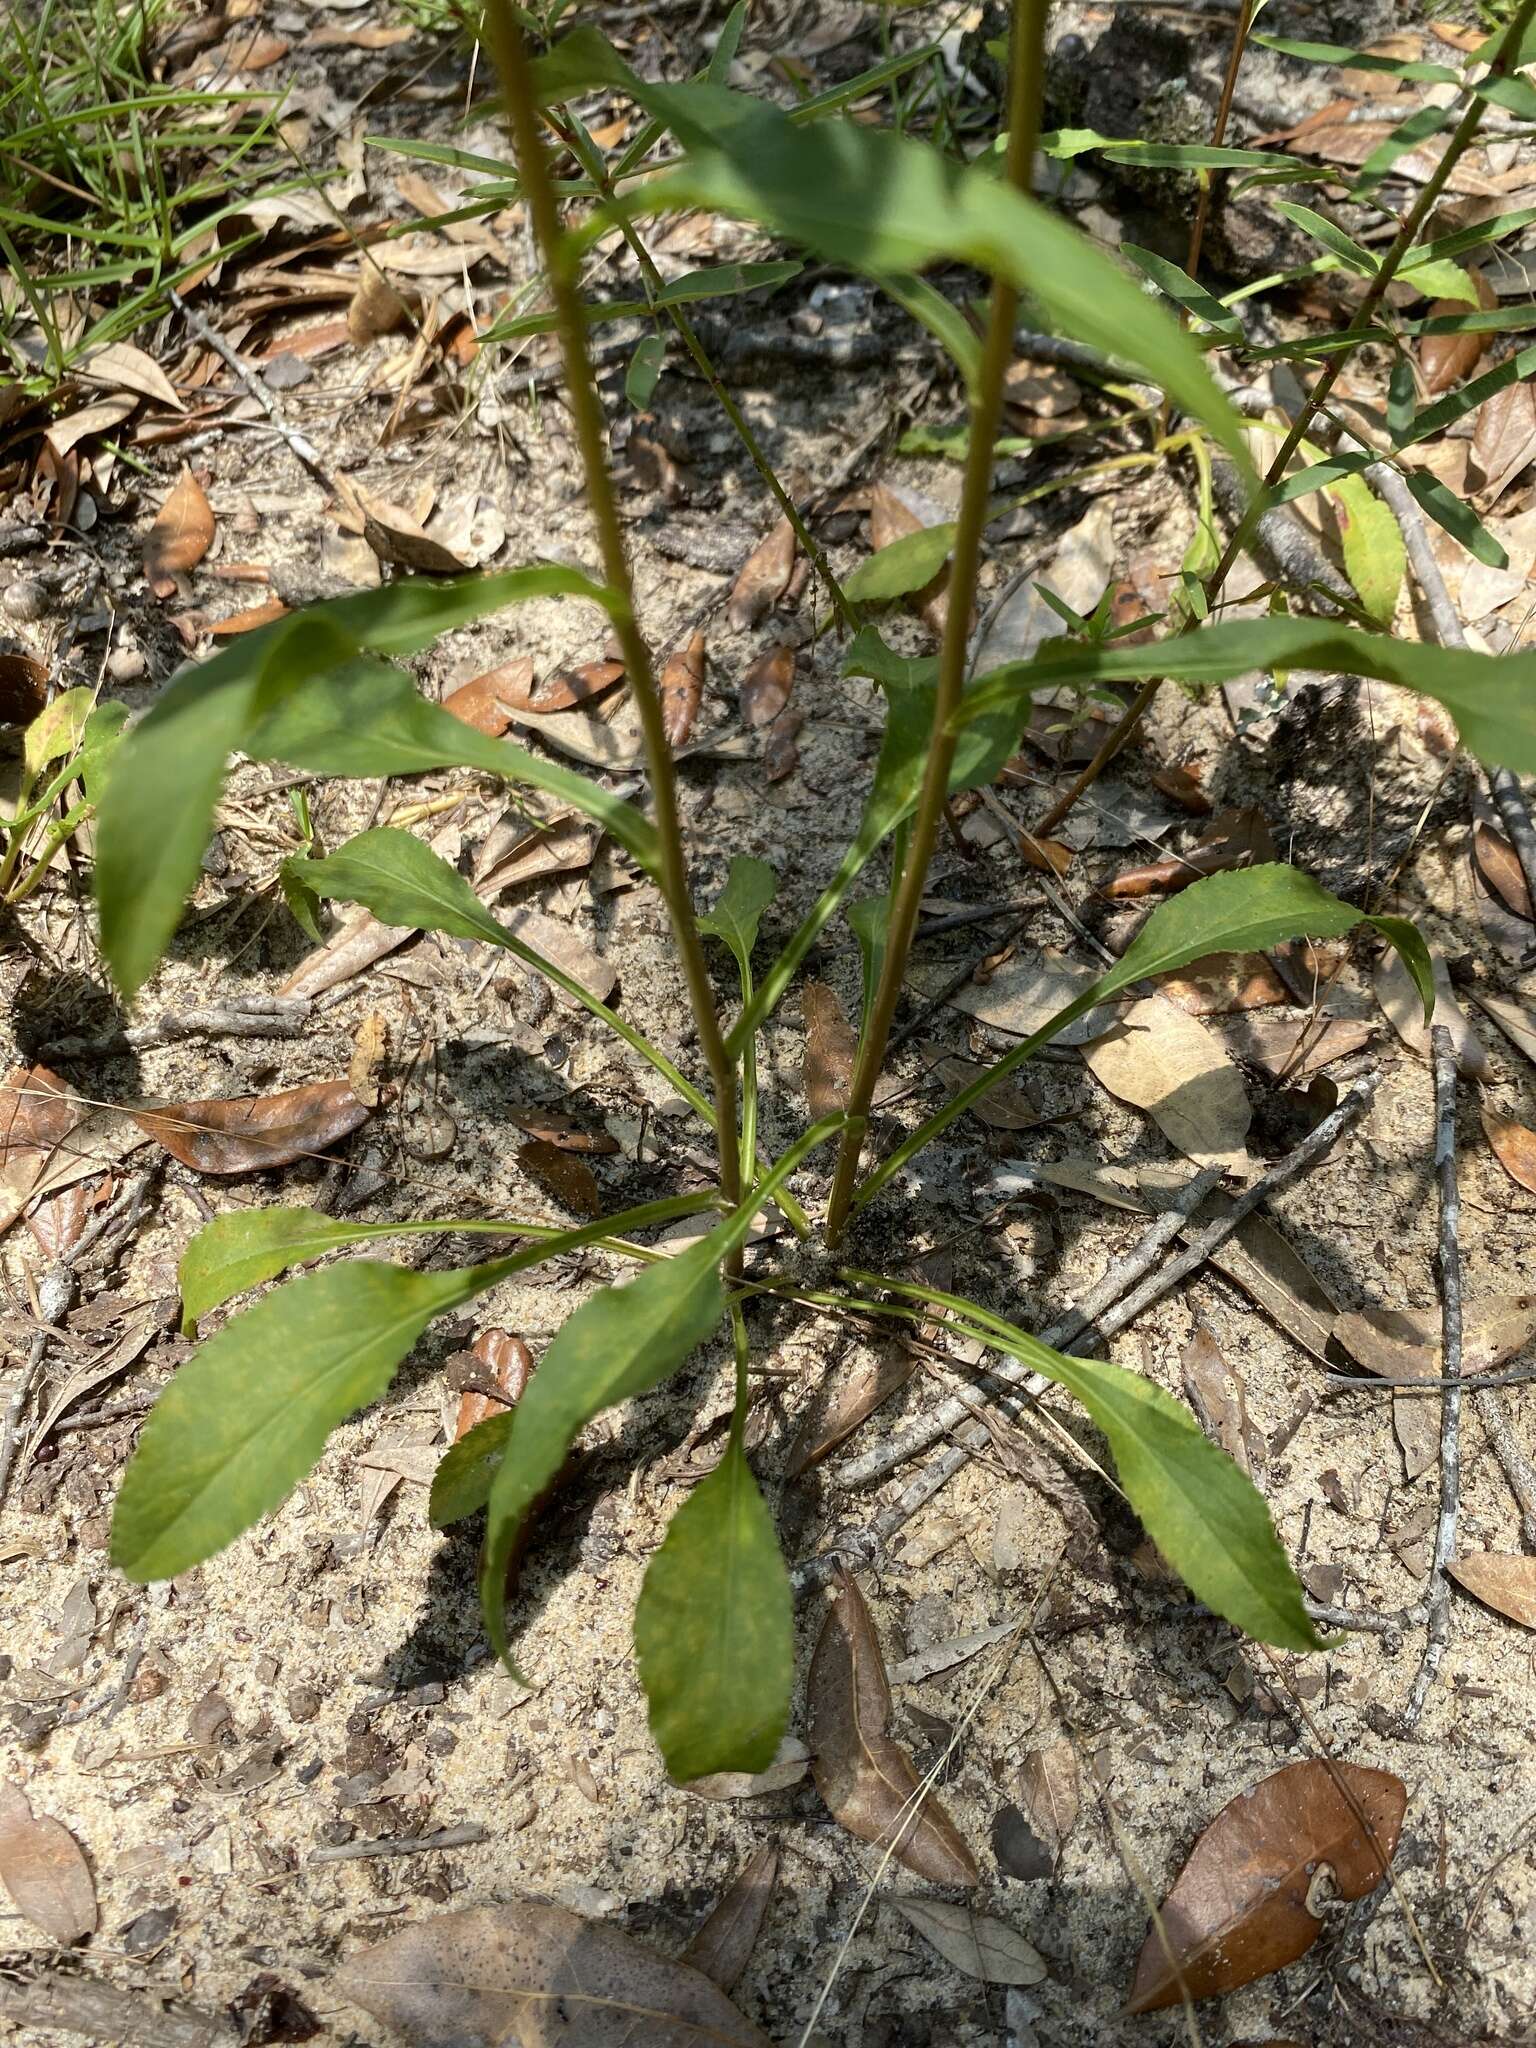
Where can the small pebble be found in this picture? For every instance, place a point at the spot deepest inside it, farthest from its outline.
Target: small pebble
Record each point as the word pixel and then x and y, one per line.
pixel 125 664
pixel 25 601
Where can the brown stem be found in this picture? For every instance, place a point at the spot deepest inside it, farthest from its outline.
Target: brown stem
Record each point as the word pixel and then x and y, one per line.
pixel 1026 65
pixel 511 55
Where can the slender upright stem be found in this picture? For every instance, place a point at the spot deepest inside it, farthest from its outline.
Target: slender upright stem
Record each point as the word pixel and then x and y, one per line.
pixel 1317 397
pixel 511 54
pixel 1026 67
pixel 592 163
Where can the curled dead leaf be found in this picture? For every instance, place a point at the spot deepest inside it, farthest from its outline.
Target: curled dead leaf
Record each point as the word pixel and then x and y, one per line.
pixel 374 308
pixel 540 1976
pixel 246 621
pixel 682 690
pixel 182 533
pixel 1240 1908
pixel 866 1778
pixel 764 578
pixel 1499 866
pixel 37 1114
pixel 766 686
pixel 44 1871
pixel 831 1046
pixel 974 1943
pixel 245 1133
pixel 504 1366
pixel 1504 440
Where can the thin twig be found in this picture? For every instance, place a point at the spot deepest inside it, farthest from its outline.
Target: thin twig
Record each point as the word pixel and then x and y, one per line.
pixel 1066 1334
pixel 463 1836
pixel 1443 1053
pixel 304 450
pixel 867 1543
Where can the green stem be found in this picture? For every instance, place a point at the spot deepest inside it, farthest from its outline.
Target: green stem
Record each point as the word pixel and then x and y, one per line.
pixel 1026 74
pixel 572 132
pixel 511 54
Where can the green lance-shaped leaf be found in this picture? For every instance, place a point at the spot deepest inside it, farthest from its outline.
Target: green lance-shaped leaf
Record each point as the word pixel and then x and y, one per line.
pixel 1183 290
pixel 1203 1513
pixel 1491 697
pixel 1372 540
pixel 1445 412
pixel 1333 239
pixel 714 1624
pixel 887 205
pixel 243 1247
pixel 621 1342
pixel 1361 60
pixel 404 882
pixel 156 814
pixel 248 1414
pixel 750 887
pixel 1244 911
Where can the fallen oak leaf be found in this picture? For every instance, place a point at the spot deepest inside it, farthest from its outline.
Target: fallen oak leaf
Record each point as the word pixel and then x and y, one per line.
pixel 245 1133
pixel 242 622
pixel 540 1976
pixel 44 1871
pixel 180 536
pixel 831 1046
pixel 1504 1582
pixel 564 1175
pixel 1500 869
pixel 764 578
pixel 866 1778
pixel 1240 1907
pixel 767 684
pixel 504 1364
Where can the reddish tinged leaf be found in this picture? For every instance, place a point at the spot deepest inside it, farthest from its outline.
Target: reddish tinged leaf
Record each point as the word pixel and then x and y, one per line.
pixel 244 622
pixel 830 1049
pixel 764 578
pixel 568 687
pixel 1239 1909
pixel 244 1133
pixel 1445 359
pixel 866 1778
pixel 1500 868
pixel 781 749
pixel 723 1946
pixel 483 701
pixel 537 1976
pixel 1514 1146
pixel 682 691
pixel 1237 839
pixel 181 535
pixel 1506 1583
pixel 44 1871
pixel 1183 787
pixel 503 1362
pixel 58 1222
pixel 766 686
pixel 568 1178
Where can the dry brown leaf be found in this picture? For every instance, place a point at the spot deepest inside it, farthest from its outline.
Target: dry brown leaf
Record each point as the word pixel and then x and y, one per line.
pixel 1514 1147
pixel 844 1403
pixel 1046 1788
pixel 181 535
pixel 723 1946
pixel 1504 441
pixel 518 849
pixel 682 691
pixel 1398 995
pixel 119 366
pixel 63 435
pixel 974 1943
pixel 256 51
pixel 866 1778
pixel 1162 1060
pixel 1224 984
pixel 502 1362
pixel 539 1976
pixel 1239 1909
pixel 1220 1399
pixel 37 1115
pixel 58 1222
pixel 568 687
pixel 244 1133
pixel 370 38
pixel 564 1175
pixel 790 1764
pixel 1500 868
pixel 44 1871
pixel 891 519
pixel 1503 1582
pixel 553 1127
pixel 370 1052
pixel 767 684
pixel 1296 1048
pixel 831 1045
pixel 764 578
pixel 781 749
pixel 481 702
pixel 23 688
pixel 401 540
pixel 374 308
pixel 1445 359
pixel 1183 787
pixel 247 621
pixel 1004 1107
pixel 1236 839
pixel 1517 1025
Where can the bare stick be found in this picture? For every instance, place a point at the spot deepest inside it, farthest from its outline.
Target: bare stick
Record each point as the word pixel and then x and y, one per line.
pixel 1518 1469
pixel 863 1545
pixel 60 2004
pixel 55 1291
pixel 1065 1334
pixel 464 1836
pixel 1443 1050
pixel 304 450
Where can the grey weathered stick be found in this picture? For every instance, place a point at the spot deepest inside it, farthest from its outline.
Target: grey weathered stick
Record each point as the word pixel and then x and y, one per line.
pixel 1443 1051
pixel 861 1546
pixel 304 450
pixel 56 2003
pixel 1063 1335
pixel 462 1837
